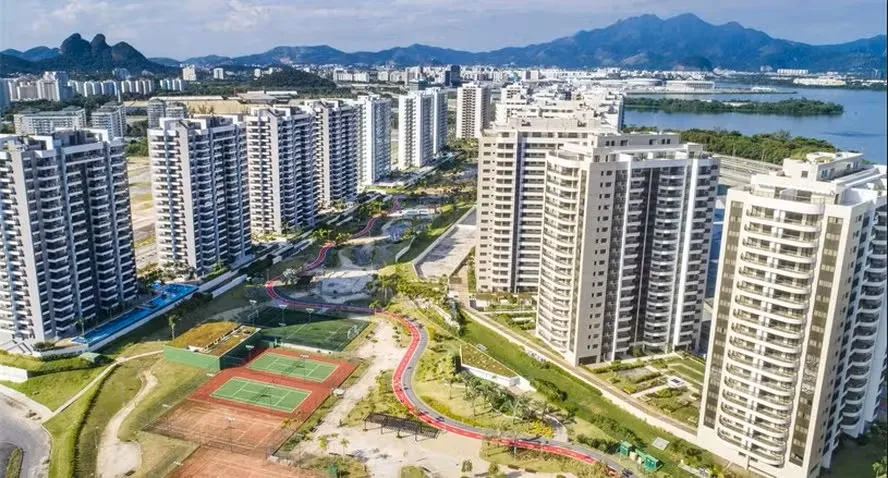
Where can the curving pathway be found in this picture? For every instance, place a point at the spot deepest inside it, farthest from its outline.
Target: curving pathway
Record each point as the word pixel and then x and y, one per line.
pixel 403 377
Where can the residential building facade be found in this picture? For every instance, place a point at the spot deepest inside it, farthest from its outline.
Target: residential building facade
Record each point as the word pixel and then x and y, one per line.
pixel 336 151
pixel 110 117
pixel 45 122
pixel 798 344
pixel 158 108
pixel 281 159
pixel 66 238
pixel 511 177
pixel 199 182
pixel 374 139
pixel 473 110
pixel 624 246
pixel 422 127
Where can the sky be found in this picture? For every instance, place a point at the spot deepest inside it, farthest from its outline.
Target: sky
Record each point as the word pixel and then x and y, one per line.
pixel 184 28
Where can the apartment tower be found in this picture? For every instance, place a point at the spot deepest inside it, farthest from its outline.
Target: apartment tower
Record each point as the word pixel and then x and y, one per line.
pixel 110 117
pixel 46 122
pixel 199 183
pixel 511 177
pixel 281 159
pixel 473 110
pixel 374 138
pixel 624 248
pixel 336 151
pixel 66 239
pixel 797 348
pixel 422 127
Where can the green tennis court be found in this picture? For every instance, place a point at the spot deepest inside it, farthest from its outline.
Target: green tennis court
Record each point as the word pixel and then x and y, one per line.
pixel 266 395
pixel 296 367
pixel 318 330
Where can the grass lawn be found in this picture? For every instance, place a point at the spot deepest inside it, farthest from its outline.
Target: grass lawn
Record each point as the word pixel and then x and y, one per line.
pixel 14 464
pixel 55 389
pixel 853 460
pixel 689 374
pixel 64 429
pixel 473 357
pixel 119 388
pixel 174 382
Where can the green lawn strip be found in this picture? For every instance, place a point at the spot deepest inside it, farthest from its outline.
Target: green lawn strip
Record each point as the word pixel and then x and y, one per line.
pixel 118 388
pixel 535 461
pixel 37 366
pixel 688 374
pixel 585 399
pixel 174 383
pixel 261 394
pixel 65 429
pixel 473 357
pixel 55 389
pixel 14 464
pixel 853 459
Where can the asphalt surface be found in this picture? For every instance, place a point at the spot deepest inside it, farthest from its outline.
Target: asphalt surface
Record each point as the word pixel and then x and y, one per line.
pixel 403 378
pixel 16 430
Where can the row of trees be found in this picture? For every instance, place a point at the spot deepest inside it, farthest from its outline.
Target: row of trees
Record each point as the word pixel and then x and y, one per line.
pixel 793 107
pixel 767 147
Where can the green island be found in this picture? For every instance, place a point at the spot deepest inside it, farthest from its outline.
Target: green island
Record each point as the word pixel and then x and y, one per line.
pixel 793 107
pixel 767 147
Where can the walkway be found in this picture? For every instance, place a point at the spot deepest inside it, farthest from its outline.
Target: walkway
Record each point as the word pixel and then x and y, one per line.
pixel 119 458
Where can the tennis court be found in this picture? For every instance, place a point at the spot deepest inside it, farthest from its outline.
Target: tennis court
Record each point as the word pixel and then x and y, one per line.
pixel 317 330
pixel 293 367
pixel 260 394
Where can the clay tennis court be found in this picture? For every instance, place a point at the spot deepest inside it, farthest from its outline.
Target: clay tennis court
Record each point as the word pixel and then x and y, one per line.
pixel 249 411
pixel 212 463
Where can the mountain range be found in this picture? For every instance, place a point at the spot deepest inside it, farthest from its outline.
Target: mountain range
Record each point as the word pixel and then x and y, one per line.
pixel 76 55
pixel 646 41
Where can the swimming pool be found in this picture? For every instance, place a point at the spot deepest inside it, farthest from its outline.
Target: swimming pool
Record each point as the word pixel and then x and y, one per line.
pixel 166 294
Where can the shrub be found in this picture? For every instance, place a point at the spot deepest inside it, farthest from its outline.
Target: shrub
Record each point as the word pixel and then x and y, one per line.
pixel 43 346
pixel 550 390
pixel 646 377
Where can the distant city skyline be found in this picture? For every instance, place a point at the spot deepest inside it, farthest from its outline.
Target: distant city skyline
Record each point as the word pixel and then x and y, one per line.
pixel 186 28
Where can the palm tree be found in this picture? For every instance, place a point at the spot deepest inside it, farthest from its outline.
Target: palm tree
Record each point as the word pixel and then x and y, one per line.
pixel 171 321
pixel 323 442
pixel 79 321
pixel 343 442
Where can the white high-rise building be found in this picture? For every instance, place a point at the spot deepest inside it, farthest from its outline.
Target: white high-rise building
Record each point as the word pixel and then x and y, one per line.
pixel 158 108
pixel 336 151
pixel 66 240
pixel 199 182
pixel 189 73
pixel 374 138
pixel 422 127
pixel 280 153
pixel 218 73
pixel 651 196
pixel 798 343
pixel 511 173
pixel 45 122
pixel 110 117
pixel 473 110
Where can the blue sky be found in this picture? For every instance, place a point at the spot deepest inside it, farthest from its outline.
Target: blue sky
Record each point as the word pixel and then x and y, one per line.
pixel 182 28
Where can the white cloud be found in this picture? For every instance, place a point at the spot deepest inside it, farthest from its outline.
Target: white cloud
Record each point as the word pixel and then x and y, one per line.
pixel 241 17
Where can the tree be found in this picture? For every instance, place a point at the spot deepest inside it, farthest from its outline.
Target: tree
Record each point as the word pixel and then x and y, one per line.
pixel 79 320
pixel 466 466
pixel 343 442
pixel 493 470
pixel 880 468
pixel 171 321
pixel 323 442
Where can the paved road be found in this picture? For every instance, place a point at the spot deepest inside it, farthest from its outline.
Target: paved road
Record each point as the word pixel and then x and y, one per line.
pixel 403 378
pixel 26 434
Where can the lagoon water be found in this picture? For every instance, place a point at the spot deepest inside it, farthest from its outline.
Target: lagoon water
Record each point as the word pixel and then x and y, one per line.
pixel 862 127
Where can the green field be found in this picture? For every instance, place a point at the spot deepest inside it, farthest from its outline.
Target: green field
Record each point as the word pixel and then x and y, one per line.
pixel 297 367
pixel 261 394
pixel 310 330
